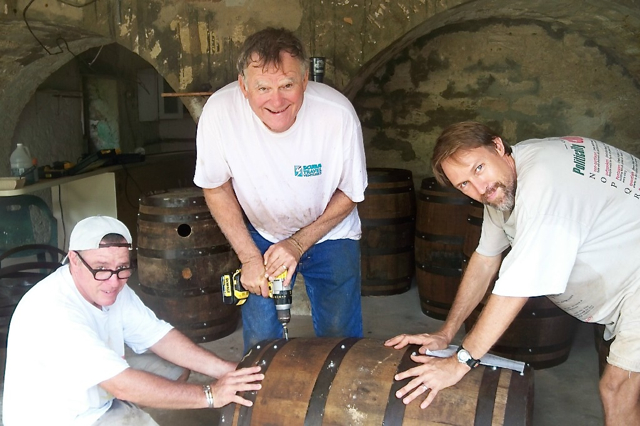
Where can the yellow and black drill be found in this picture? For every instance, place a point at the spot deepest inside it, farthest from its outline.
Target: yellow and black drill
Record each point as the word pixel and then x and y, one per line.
pixel 234 294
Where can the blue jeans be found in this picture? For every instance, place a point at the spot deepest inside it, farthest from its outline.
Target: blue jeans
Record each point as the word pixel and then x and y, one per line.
pixel 331 273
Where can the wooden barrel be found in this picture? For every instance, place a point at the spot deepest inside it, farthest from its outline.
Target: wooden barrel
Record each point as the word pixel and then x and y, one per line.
pixel 473 229
pixel 441 224
pixel 181 255
pixel 388 224
pixel 333 381
pixel 541 334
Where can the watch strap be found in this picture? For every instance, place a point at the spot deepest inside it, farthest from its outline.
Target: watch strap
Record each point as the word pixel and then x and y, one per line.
pixel 471 362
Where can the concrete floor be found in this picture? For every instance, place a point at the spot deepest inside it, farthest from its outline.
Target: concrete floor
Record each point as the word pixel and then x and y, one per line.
pixel 565 394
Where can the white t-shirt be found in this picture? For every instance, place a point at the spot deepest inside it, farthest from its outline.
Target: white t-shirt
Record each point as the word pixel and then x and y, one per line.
pixel 61 347
pixel 575 228
pixel 284 181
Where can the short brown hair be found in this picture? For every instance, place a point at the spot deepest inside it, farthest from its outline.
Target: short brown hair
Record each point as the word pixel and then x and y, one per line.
pixel 268 44
pixel 114 240
pixel 461 136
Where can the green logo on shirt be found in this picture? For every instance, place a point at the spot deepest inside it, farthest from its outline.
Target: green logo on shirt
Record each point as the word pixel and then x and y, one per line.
pixel 578 159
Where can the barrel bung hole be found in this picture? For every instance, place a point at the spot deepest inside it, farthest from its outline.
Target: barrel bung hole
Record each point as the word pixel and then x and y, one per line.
pixel 184 230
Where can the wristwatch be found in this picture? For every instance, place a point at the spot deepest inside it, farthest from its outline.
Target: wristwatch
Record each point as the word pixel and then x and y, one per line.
pixel 465 357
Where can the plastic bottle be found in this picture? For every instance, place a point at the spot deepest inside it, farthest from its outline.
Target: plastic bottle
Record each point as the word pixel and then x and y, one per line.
pixel 21 160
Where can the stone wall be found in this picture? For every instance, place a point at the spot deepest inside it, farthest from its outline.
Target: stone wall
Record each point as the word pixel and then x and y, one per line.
pixel 193 44
pixel 526 79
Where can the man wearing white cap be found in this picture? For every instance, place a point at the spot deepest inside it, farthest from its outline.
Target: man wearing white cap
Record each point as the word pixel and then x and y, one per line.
pixel 65 352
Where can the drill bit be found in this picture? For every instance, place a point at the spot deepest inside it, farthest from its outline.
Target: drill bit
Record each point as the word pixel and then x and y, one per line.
pixel 285 331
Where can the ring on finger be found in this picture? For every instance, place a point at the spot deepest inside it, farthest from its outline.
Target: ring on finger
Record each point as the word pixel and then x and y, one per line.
pixel 425 387
pixel 284 267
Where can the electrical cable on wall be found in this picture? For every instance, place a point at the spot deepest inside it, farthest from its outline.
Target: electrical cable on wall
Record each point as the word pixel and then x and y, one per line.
pixel 126 187
pixel 24 17
pixel 64 228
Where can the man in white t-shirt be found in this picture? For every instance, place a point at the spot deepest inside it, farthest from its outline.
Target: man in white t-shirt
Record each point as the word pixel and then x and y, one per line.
pixel 569 208
pixel 288 154
pixel 65 352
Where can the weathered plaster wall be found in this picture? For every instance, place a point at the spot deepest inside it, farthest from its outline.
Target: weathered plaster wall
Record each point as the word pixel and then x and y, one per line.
pixel 524 78
pixel 25 66
pixel 53 115
pixel 193 44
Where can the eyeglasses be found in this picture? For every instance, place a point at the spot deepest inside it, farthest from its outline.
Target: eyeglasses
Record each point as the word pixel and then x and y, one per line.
pixel 105 274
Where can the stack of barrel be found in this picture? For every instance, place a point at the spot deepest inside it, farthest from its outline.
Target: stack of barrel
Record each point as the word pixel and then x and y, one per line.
pixel 448 229
pixel 388 222
pixel 181 256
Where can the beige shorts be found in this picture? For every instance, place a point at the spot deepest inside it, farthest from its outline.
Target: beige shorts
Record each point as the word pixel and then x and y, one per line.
pixel 625 349
pixel 124 413
pixel 152 363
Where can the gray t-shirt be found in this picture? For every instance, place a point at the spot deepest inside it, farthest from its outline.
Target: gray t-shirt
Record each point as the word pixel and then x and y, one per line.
pixel 574 230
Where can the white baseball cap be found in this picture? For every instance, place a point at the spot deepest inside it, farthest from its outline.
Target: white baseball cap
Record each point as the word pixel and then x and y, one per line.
pixel 88 233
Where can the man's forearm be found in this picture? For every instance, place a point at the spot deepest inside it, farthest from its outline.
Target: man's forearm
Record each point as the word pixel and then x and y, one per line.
pixel 150 390
pixel 475 282
pixel 226 210
pixel 495 318
pixel 338 208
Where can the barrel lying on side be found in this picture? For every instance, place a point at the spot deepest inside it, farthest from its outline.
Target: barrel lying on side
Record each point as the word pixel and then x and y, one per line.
pixel 181 255
pixel 333 381
pixel 388 223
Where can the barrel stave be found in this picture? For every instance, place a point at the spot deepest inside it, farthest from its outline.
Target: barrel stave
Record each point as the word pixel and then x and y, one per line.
pixel 360 390
pixel 289 394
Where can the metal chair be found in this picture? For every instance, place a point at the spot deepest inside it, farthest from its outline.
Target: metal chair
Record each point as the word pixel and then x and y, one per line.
pixel 17 278
pixel 28 250
pixel 26 219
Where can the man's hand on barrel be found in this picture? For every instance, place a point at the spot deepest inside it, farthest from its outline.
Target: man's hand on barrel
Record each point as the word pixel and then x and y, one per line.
pixel 252 277
pixel 226 389
pixel 433 342
pixel 431 376
pixel 280 257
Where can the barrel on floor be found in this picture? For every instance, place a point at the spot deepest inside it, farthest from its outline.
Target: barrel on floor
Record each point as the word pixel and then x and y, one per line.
pixel 541 334
pixel 388 222
pixel 181 255
pixel 441 224
pixel 333 381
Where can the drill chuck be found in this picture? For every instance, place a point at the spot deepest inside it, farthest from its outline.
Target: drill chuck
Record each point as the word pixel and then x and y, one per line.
pixel 284 315
pixel 282 298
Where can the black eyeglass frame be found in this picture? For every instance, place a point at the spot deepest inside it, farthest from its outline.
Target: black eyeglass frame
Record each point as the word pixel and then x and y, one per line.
pixel 95 272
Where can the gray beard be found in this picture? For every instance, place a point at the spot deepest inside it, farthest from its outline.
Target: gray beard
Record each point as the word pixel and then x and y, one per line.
pixel 508 201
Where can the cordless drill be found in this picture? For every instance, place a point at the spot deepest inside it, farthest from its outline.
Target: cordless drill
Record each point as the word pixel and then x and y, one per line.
pixel 233 293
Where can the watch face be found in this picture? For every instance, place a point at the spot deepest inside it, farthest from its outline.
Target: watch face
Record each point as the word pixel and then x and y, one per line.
pixel 463 356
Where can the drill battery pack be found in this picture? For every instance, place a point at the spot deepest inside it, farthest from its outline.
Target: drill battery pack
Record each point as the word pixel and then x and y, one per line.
pixel 232 291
